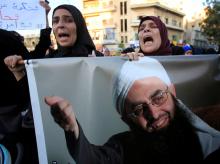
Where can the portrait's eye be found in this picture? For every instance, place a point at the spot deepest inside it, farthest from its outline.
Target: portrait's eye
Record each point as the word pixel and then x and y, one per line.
pixel 138 110
pixel 158 99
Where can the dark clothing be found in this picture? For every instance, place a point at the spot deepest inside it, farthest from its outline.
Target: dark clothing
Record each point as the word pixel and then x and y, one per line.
pixel 165 48
pixel 65 53
pixel 14 98
pixel 177 50
pixel 14 94
pixel 127 50
pixel 213 158
pixel 10 113
pixel 10 89
pixel 178 144
pixel 43 44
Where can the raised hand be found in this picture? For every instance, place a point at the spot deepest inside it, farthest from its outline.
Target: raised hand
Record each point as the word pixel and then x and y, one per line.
pixel 62 112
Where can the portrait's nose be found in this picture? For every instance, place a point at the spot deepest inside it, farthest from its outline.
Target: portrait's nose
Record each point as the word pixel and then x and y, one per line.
pixel 153 111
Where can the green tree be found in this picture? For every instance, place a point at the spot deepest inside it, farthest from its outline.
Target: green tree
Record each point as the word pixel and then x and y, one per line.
pixel 210 25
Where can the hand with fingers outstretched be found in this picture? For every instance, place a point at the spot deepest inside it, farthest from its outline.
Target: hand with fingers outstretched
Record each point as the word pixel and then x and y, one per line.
pixel 15 64
pixel 63 114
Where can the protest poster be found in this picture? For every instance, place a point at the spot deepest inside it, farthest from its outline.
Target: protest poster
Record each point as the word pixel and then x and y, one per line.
pixel 88 84
pixel 22 15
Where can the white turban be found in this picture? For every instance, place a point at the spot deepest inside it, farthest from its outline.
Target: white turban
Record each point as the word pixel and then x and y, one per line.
pixel 135 70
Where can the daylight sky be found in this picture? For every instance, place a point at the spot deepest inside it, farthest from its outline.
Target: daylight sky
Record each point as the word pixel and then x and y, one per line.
pixel 191 7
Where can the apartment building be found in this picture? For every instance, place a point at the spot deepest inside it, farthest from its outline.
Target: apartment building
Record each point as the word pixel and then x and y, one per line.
pixel 116 21
pixel 193 33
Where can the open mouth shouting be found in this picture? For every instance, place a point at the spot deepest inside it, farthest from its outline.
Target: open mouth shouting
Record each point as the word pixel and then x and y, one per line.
pixel 63 36
pixel 148 40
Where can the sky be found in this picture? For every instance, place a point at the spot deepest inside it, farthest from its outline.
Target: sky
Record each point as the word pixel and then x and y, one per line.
pixel 192 6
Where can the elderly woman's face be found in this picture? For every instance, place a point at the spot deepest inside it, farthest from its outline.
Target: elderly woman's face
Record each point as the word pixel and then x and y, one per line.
pixel 149 36
pixel 64 28
pixel 149 104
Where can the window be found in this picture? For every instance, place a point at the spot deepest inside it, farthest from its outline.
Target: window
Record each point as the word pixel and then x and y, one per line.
pixel 126 39
pixel 125 7
pixel 166 20
pixel 174 22
pixel 174 37
pixel 126 25
pixel 136 36
pixel 121 8
pixel 122 39
pixel 122 25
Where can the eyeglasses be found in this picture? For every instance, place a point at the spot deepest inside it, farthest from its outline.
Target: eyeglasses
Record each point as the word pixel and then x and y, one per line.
pixel 157 99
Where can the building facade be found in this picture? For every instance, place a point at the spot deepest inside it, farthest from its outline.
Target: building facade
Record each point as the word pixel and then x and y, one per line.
pixel 113 22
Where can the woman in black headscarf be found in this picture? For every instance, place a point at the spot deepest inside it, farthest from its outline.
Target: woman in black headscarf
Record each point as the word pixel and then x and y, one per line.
pixel 71 33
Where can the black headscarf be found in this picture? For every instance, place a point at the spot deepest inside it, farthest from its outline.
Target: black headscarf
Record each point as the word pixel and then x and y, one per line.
pixel 11 44
pixel 84 44
pixel 165 48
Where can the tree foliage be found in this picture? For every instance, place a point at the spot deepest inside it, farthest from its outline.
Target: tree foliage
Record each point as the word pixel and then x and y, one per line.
pixel 210 25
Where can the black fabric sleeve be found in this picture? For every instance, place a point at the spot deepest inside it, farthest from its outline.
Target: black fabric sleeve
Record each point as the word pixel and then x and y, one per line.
pixel 43 44
pixel 83 152
pixel 23 93
pixel 99 54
